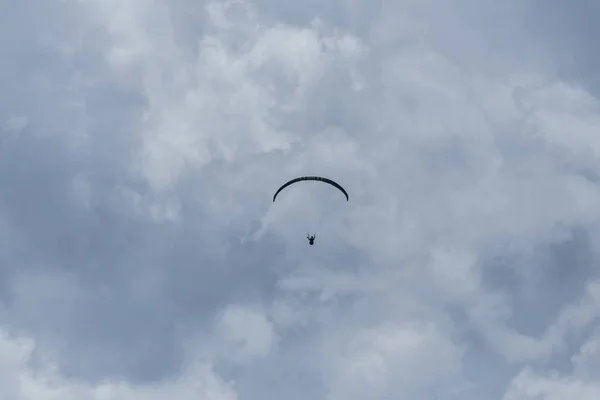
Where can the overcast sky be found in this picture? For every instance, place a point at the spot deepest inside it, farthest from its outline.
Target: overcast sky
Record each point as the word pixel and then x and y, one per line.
pixel 141 256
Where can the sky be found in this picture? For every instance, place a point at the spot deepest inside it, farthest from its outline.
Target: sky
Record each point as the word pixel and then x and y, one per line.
pixel 141 256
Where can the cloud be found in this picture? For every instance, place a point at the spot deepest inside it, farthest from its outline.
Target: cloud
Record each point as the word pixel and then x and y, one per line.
pixel 140 252
pixel 21 381
pixel 247 330
pixel 582 383
pixel 382 361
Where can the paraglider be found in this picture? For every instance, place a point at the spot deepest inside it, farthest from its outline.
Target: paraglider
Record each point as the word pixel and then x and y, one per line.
pixel 311 239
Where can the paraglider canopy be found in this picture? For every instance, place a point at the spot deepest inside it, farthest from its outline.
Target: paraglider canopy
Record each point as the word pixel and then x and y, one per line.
pixel 312 178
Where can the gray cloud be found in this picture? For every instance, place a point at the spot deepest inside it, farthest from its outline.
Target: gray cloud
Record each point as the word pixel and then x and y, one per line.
pixel 140 253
